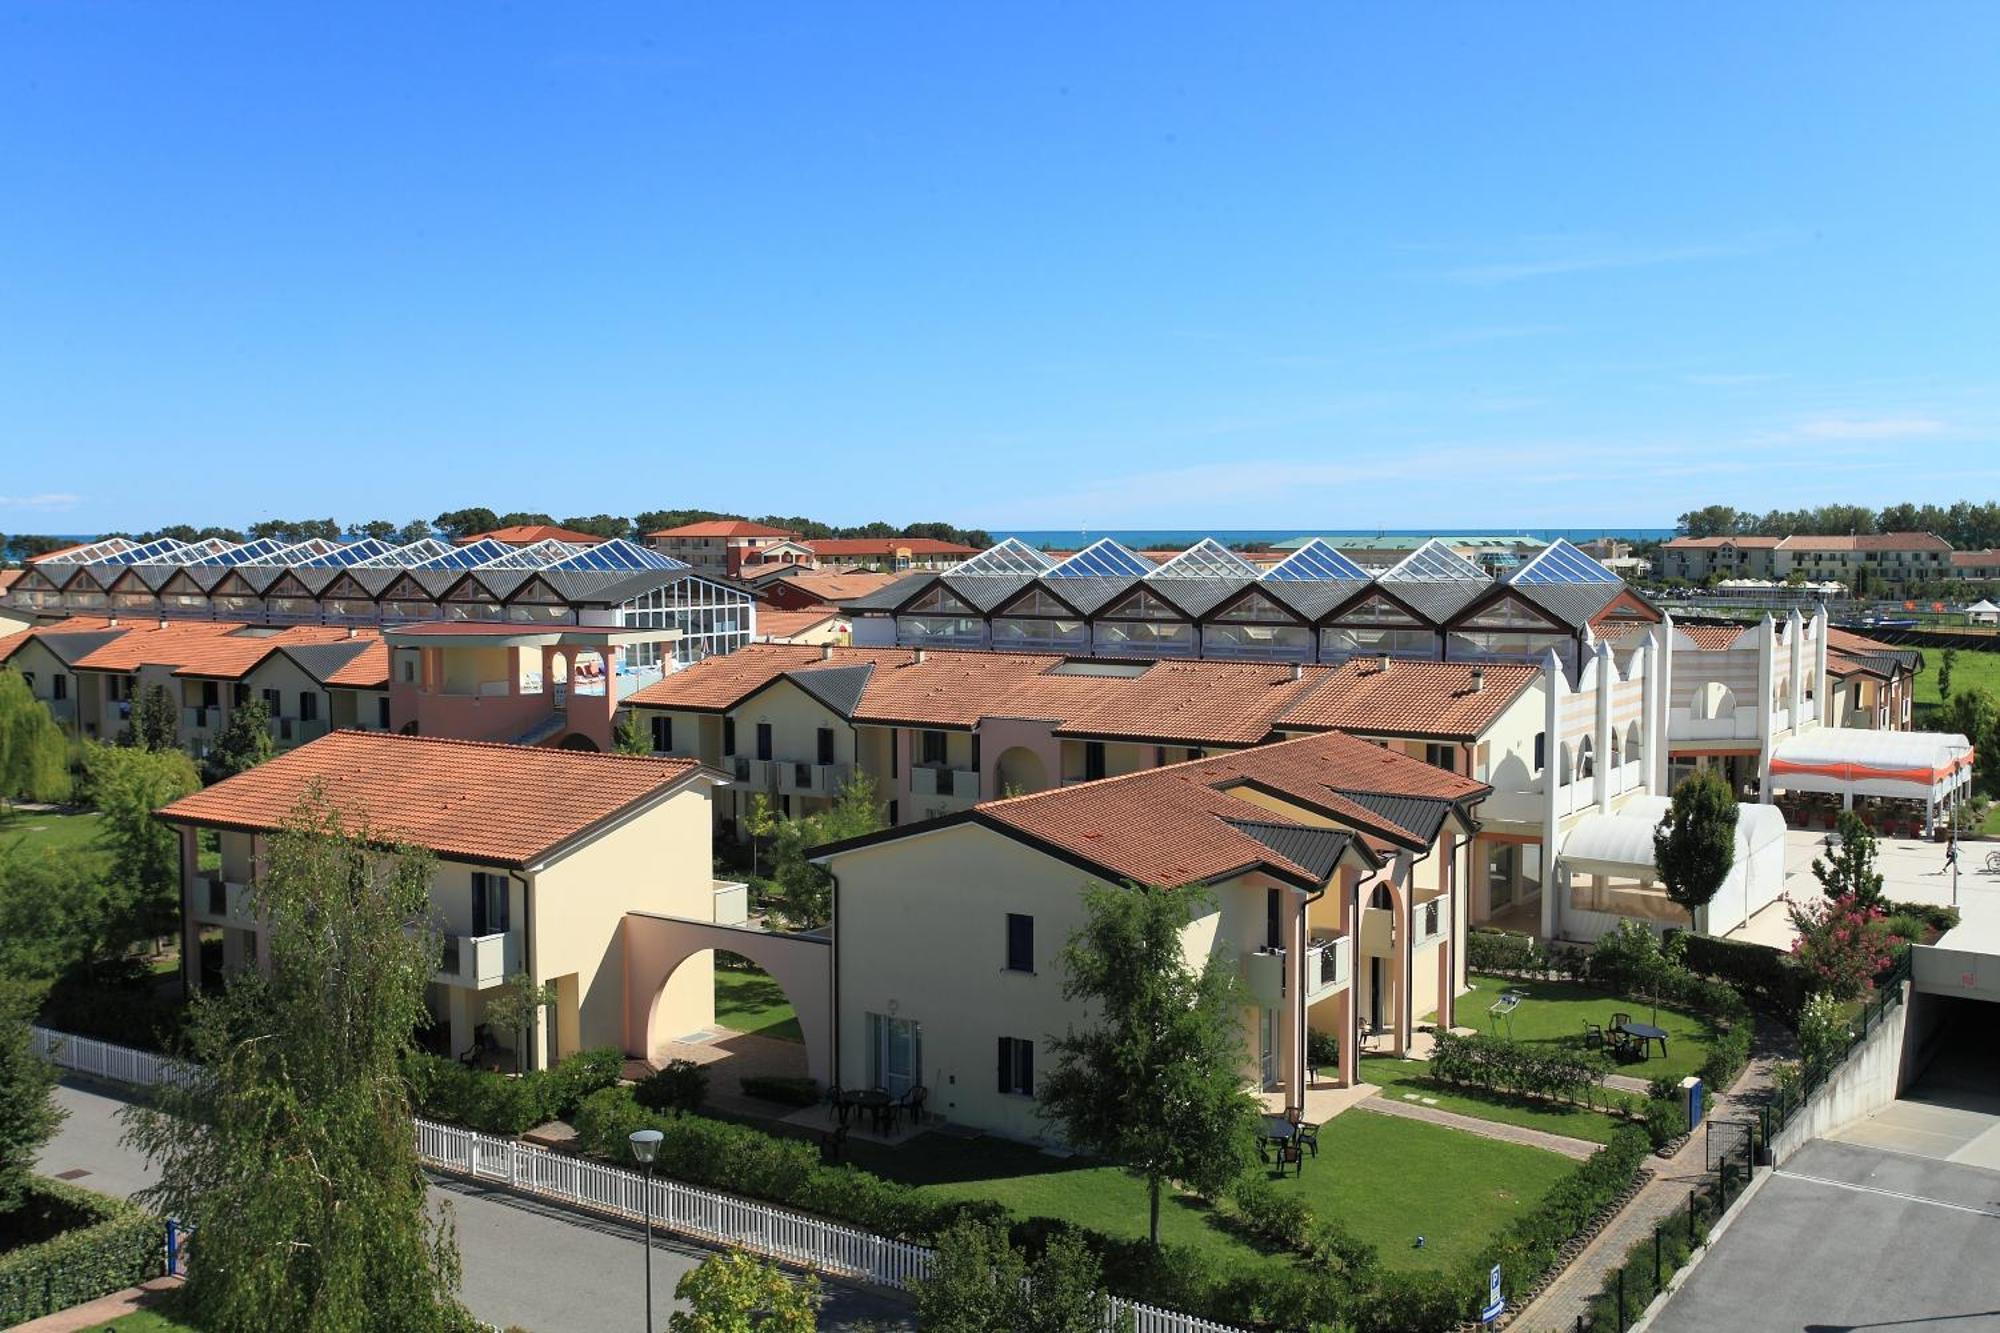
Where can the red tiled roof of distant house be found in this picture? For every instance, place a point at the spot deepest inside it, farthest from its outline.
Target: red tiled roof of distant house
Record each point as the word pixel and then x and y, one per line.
pixel 527 534
pixel 1712 638
pixel 888 546
pixel 369 670
pixel 1870 541
pixel 724 527
pixel 231 657
pixel 1413 697
pixel 165 643
pixel 835 585
pixel 12 643
pixel 1710 543
pixel 471 800
pixel 784 624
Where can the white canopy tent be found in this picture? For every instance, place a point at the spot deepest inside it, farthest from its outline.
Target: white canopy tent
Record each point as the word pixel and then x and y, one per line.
pixel 1620 846
pixel 1930 766
pixel 1982 612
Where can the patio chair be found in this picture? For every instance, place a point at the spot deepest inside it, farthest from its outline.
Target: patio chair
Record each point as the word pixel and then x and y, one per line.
pixel 913 1102
pixel 1593 1035
pixel 1305 1134
pixel 1289 1155
pixel 1620 1020
pixel 836 1104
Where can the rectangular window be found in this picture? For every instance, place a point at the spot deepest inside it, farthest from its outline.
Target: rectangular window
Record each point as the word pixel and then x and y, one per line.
pixel 308 705
pixel 60 684
pixel 934 748
pixel 895 1053
pixel 826 745
pixel 1093 760
pixel 1020 942
pixel 663 733
pixel 238 696
pixel 1541 750
pixel 1017 1066
pixel 1274 926
pixel 729 735
pixel 211 694
pixel 382 713
pixel 763 740
pixel 489 903
pixel 1442 756
pixel 274 703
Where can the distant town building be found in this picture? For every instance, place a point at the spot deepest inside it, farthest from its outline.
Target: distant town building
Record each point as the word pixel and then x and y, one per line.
pixel 718 545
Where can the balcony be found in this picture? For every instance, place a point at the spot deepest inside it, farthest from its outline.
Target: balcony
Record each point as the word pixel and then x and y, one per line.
pixel 811 779
pixel 1740 724
pixel 755 775
pixel 938 780
pixel 732 902
pixel 478 962
pixel 296 730
pixel 1327 970
pixel 223 902
pixel 201 719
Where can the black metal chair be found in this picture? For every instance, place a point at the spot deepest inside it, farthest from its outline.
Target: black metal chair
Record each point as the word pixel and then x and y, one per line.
pixel 1289 1155
pixel 1593 1035
pixel 1305 1133
pixel 913 1102
pixel 836 1105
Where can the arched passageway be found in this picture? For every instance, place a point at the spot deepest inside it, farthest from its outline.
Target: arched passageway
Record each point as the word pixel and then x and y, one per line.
pixel 662 1007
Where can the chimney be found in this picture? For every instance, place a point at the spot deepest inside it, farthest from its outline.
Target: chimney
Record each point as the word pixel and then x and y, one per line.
pixel 826 652
pixel 163 622
pixel 1478 679
pixel 1298 671
pixel 1382 664
pixel 112 620
pixel 919 660
pixel 353 633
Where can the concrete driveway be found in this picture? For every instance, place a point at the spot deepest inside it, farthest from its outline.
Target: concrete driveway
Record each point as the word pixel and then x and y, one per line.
pixel 525 1262
pixel 1850 1237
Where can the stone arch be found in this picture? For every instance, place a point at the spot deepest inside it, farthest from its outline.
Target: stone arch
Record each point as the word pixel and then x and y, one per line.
pixel 1564 770
pixel 1586 760
pixel 656 946
pixel 1617 749
pixel 1020 771
pixel 1635 744
pixel 1712 699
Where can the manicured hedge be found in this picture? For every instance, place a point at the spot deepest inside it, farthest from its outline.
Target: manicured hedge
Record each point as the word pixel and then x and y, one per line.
pixel 1758 970
pixel 1529 1247
pixel 112 1244
pixel 784 1089
pixel 1539 1069
pixel 498 1104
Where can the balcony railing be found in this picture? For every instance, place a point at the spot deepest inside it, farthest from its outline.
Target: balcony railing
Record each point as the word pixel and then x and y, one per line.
pixel 296 730
pixel 755 775
pixel 732 902
pixel 223 901
pixel 1326 970
pixel 796 779
pixel 938 780
pixel 477 962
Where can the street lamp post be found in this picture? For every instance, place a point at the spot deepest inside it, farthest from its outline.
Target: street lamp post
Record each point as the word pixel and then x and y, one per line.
pixel 645 1143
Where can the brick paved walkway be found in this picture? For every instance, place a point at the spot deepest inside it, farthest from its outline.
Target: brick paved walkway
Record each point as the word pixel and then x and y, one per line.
pixel 96 1314
pixel 1490 1129
pixel 1556 1309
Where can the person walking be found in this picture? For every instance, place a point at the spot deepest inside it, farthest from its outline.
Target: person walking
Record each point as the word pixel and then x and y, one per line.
pixel 1950 852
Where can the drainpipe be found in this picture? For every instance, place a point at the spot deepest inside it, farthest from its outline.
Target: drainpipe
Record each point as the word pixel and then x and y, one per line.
pixel 527 929
pixel 833 979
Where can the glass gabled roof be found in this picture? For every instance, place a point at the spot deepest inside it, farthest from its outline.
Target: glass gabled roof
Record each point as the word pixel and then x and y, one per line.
pixel 470 556
pixel 1560 562
pixel 410 556
pixel 540 555
pixel 165 550
pixel 1102 559
pixel 209 546
pixel 1207 559
pixel 1316 562
pixel 97 553
pixel 250 553
pixel 311 551
pixel 1012 556
pixel 1434 562
pixel 363 552
pixel 617 555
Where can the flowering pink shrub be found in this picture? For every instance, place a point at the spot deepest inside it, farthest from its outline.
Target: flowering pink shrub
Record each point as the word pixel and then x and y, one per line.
pixel 1842 942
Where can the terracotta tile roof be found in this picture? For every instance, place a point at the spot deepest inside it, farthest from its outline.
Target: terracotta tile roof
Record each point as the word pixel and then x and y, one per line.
pixel 1872 541
pixel 8 578
pixel 1840 664
pixel 150 643
pixel 502 804
pixel 369 670
pixel 1412 697
pixel 837 585
pixel 1710 543
pixel 230 657
pixel 1227 703
pixel 724 527
pixel 1180 824
pixel 1970 559
pixel 889 546
pixel 11 643
pixel 782 625
pixel 527 534
pixel 718 683
pixel 1712 638
pixel 1847 640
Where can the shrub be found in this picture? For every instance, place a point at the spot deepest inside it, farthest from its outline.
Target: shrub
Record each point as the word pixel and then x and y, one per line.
pixel 1666 1121
pixel 1403 1302
pixel 1322 1049
pixel 1280 1218
pixel 1751 969
pixel 1823 1032
pixel 679 1085
pixel 1935 915
pixel 1488 950
pixel 578 1076
pixel 1842 944
pixel 493 1103
pixel 1527 1248
pixel 1728 1052
pixel 1531 1068
pixel 784 1089
pixel 115 1244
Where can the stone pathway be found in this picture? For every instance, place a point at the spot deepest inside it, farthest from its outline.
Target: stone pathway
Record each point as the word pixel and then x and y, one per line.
pixel 1666 1195
pixel 96 1314
pixel 1578 1149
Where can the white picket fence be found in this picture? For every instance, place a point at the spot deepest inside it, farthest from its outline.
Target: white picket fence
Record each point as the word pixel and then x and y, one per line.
pixel 706 1216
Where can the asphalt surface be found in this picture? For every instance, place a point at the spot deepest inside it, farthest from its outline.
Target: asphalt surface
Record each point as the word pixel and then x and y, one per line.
pixel 525 1262
pixel 1851 1237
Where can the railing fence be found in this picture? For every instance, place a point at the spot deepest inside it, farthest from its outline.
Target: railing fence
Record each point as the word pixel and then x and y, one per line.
pixel 706 1216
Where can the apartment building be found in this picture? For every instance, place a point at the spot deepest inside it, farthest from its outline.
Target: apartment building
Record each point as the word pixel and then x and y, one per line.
pixel 1874 564
pixel 1981 567
pixel 1334 874
pixel 1871 686
pixel 719 545
pixel 541 855
pixel 1695 559
pixel 891 553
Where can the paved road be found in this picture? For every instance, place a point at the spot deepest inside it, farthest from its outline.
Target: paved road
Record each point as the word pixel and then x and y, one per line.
pixel 525 1262
pixel 1848 1237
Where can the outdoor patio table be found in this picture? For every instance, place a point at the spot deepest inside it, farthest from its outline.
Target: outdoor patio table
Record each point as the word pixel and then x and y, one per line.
pixel 875 1101
pixel 1277 1129
pixel 1644 1033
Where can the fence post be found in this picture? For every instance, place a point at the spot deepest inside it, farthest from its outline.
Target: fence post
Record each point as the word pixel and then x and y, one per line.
pixel 1621 1298
pixel 1658 1282
pixel 1691 1218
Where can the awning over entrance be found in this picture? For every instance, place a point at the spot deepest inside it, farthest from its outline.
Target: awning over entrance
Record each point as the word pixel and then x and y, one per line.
pixel 1923 766
pixel 1620 846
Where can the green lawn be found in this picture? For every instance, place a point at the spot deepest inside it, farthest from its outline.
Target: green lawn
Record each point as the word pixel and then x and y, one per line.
pixel 749 1001
pixel 1555 1011
pixel 144 1321
pixel 74 832
pixel 1387 1179
pixel 1969 670
pixel 1405 1079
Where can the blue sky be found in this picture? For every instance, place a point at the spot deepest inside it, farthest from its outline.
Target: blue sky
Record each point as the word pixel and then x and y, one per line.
pixel 1012 265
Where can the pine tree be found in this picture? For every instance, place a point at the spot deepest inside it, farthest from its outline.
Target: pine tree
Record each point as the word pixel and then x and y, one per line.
pixel 1849 871
pixel 244 743
pixel 156 722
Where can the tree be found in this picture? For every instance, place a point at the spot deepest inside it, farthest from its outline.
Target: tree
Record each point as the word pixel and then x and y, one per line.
pixel 1157 1085
pixel 1842 943
pixel 524 518
pixel 1066 1292
pixel 975 1282
pixel 516 1009
pixel 156 723
pixel 806 888
pixel 128 786
pixel 1695 844
pixel 760 824
pixel 630 737
pixel 381 529
pixel 1946 661
pixel 34 753
pixel 53 903
pixel 292 1150
pixel 1849 872
pixel 415 530
pixel 28 1112
pixel 1975 715
pixel 244 743
pixel 456 523
pixel 600 525
pixel 735 1293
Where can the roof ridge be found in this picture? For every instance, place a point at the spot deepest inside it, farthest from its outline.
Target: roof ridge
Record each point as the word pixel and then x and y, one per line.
pixel 462 743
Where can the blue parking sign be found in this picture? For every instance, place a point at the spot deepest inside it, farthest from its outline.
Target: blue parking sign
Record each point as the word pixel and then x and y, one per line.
pixel 1495 1302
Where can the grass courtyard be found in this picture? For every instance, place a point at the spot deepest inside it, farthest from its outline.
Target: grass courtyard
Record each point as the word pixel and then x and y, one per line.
pixel 75 832
pixel 1405 1079
pixel 1555 1011
pixel 747 1000
pixel 1387 1179
pixel 143 1321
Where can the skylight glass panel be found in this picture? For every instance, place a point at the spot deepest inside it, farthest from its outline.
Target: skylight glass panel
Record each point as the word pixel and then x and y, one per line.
pixel 1102 559
pixel 1561 562
pixel 408 556
pixel 207 546
pixel 540 555
pixel 1012 556
pixel 96 553
pixel 258 552
pixel 1207 559
pixel 162 551
pixel 473 554
pixel 351 553
pixel 1316 562
pixel 311 551
pixel 617 555
pixel 1434 562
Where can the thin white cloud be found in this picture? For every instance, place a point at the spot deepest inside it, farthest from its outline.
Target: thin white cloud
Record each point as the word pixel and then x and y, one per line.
pixel 46 500
pixel 1871 428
